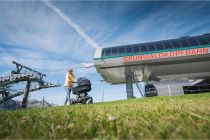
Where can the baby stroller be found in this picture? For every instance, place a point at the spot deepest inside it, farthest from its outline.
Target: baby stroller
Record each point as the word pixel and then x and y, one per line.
pixel 81 92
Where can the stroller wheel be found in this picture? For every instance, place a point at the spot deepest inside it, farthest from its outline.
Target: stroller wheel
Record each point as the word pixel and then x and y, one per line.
pixel 72 102
pixel 90 101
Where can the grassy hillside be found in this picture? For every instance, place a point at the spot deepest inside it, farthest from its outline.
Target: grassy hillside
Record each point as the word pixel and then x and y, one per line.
pixel 157 117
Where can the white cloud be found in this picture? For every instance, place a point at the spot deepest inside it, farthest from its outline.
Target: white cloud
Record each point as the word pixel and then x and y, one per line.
pixel 32 26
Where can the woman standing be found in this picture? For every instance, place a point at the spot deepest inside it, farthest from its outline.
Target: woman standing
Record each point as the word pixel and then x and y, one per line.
pixel 68 85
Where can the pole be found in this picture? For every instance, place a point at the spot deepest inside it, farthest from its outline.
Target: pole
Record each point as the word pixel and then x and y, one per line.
pixel 43 102
pixel 103 96
pixel 169 90
pixel 26 93
pixel 129 87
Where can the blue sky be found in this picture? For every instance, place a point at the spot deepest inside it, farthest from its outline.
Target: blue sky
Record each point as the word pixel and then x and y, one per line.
pixel 34 35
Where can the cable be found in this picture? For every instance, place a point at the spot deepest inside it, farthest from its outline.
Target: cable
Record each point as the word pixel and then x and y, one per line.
pixel 62 69
pixel 6 67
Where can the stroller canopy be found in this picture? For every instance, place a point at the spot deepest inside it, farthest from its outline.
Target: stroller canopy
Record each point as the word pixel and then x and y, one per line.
pixel 84 86
pixel 83 81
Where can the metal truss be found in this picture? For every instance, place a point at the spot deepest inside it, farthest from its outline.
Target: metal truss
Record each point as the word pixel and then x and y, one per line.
pixel 29 76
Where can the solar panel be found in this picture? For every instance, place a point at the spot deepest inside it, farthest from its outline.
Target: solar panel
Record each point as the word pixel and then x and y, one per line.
pixel 136 49
pixel 193 42
pixel 202 40
pixel 159 46
pixel 175 43
pixel 167 45
pixel 151 47
pixel 143 48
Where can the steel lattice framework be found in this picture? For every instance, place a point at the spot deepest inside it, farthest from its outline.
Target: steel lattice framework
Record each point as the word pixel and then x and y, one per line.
pixel 19 75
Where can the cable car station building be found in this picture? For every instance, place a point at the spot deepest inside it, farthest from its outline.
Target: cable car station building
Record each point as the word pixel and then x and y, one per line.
pixel 181 58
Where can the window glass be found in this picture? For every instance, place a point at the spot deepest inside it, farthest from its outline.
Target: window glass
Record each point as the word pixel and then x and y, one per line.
pixel 175 43
pixel 143 48
pixel 151 47
pixel 184 43
pixel 193 42
pixel 121 50
pixel 167 45
pixel 129 49
pixel 107 51
pixel 207 38
pixel 202 40
pixel 103 52
pixel 159 46
pixel 136 49
pixel 115 51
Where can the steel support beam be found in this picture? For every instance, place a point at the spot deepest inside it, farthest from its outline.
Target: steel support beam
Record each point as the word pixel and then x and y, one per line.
pixel 26 93
pixel 129 87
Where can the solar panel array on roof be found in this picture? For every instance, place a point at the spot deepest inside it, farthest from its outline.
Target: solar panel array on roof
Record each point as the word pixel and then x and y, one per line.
pixel 183 42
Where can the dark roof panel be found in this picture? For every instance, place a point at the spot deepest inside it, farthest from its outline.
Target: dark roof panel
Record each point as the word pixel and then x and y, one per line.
pixel 122 50
pixel 144 47
pixel 151 46
pixel 129 50
pixel 175 43
pixel 115 51
pixel 159 46
pixel 193 42
pixel 202 41
pixel 182 42
pixel 136 48
pixel 103 52
pixel 108 51
pixel 208 38
pixel 167 44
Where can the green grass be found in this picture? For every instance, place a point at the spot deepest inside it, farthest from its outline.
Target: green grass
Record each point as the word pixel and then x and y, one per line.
pixel 185 116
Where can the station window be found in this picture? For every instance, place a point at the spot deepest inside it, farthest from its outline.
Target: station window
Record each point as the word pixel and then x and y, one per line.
pixel 208 38
pixel 115 51
pixel 175 43
pixel 136 49
pixel 185 43
pixel 103 52
pixel 143 47
pixel 193 42
pixel 107 51
pixel 167 45
pixel 121 50
pixel 129 49
pixel 151 47
pixel 159 46
pixel 202 41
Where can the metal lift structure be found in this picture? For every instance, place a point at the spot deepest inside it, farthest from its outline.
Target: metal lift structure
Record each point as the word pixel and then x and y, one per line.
pixel 33 79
